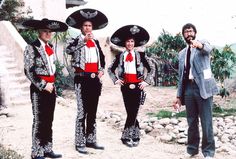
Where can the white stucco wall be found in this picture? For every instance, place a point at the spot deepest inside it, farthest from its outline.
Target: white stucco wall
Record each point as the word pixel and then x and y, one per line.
pixel 51 9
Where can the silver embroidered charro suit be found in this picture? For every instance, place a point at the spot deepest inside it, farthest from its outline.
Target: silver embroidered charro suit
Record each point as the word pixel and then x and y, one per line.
pixel 131 96
pixel 141 63
pixel 36 64
pixel 75 48
pixel 87 89
pixel 43 102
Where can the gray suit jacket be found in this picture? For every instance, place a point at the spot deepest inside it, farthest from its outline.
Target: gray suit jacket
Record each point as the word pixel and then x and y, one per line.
pixel 201 70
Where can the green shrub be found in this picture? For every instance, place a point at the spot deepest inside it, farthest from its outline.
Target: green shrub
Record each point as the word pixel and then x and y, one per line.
pixel 62 81
pixel 29 35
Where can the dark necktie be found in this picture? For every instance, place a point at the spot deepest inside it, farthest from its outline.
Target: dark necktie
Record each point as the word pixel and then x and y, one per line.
pixel 129 57
pixel 187 69
pixel 48 50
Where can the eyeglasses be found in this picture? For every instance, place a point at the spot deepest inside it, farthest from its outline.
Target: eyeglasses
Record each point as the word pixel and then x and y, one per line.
pixel 188 31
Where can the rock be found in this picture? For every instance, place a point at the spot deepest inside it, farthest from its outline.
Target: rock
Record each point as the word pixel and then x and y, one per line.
pixel 174 121
pixel 225 138
pixel 182 141
pixel 183 124
pixel 153 119
pixel 116 114
pixel 215 130
pixel 169 127
pixel 166 138
pixel 143 125
pixel 118 118
pixel 148 129
pixel 218 144
pixel 61 101
pixel 173 135
pixel 181 129
pixel 164 121
pixel 181 135
pixel 112 121
pixel 158 126
pixel 228 120
pixel 175 130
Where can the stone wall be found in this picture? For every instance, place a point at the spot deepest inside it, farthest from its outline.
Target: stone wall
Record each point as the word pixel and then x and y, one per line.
pixel 13 40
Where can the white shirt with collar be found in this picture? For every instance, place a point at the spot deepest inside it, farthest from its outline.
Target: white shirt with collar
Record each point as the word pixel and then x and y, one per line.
pixel 50 59
pixel 91 55
pixel 130 67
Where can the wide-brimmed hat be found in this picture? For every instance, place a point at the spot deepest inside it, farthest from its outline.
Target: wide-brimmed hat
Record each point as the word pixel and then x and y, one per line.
pixel 53 25
pixel 97 18
pixel 138 33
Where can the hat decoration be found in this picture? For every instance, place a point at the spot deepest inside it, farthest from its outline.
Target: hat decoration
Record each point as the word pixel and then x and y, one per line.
pixel 138 33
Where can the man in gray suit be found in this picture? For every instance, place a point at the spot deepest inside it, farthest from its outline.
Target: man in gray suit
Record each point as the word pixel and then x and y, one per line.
pixel 195 90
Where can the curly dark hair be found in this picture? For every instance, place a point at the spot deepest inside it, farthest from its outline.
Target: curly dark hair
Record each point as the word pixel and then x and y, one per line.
pixel 188 26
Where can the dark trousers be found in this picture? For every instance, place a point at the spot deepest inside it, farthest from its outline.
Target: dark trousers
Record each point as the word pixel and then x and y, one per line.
pixel 197 107
pixel 87 91
pixel 43 105
pixel 131 99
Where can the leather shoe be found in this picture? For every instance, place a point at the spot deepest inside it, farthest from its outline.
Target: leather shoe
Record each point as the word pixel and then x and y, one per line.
pixel 95 146
pixel 128 143
pixel 81 149
pixel 135 143
pixel 37 157
pixel 52 155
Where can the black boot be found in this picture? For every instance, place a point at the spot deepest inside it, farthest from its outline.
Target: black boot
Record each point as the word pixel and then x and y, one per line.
pixel 95 146
pixel 81 149
pixel 37 158
pixel 52 155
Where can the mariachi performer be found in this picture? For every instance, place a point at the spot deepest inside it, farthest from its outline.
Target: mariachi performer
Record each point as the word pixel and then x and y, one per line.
pixel 88 61
pixel 130 66
pixel 40 69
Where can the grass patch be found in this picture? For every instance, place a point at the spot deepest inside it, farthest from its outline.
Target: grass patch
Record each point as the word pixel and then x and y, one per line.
pixel 217 112
pixel 8 154
pixel 167 114
pixel 222 112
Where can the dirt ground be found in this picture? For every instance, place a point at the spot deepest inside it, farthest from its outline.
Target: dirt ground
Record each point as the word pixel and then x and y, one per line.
pixel 15 131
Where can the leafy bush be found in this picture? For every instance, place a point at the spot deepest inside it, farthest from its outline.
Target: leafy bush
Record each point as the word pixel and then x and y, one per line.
pixel 10 11
pixel 165 50
pixel 62 81
pixel 29 35
pixel 223 63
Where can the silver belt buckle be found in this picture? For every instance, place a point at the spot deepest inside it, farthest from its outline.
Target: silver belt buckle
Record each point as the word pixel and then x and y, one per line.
pixel 132 86
pixel 93 75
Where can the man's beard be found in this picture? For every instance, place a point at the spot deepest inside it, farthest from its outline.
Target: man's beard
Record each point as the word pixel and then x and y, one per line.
pixel 189 38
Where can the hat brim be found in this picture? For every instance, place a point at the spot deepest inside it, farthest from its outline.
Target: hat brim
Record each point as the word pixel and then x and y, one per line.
pixel 53 25
pixel 97 18
pixel 138 33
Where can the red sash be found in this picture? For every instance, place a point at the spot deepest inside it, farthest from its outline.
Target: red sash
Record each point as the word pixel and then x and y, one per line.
pixel 50 79
pixel 131 78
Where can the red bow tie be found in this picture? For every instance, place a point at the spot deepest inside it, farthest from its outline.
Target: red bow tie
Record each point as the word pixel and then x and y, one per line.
pixel 49 50
pixel 129 57
pixel 90 43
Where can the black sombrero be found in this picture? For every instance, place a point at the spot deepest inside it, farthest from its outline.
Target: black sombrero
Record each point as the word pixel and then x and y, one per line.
pixel 53 25
pixel 77 18
pixel 139 34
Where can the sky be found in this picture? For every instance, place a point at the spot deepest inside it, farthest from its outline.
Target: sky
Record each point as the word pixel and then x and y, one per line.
pixel 215 20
